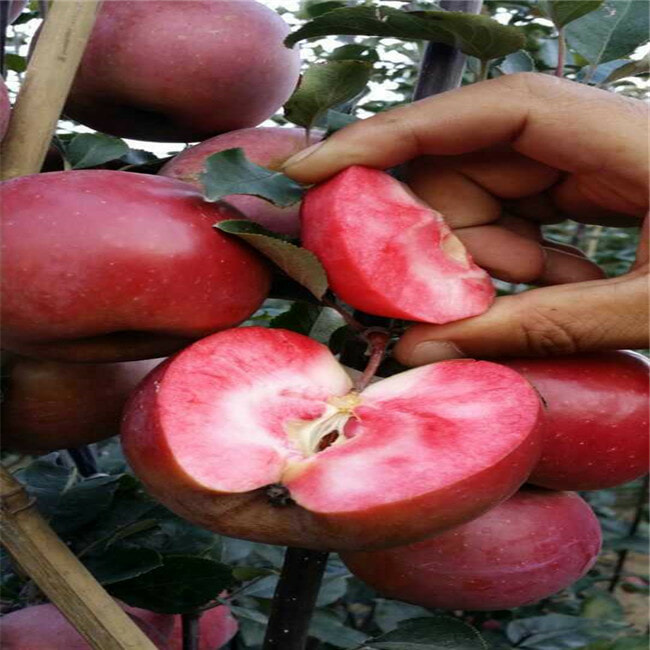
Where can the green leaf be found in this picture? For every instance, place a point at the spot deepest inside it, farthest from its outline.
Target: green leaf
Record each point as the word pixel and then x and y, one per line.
pixel 298 263
pixel 230 172
pixel 601 605
pixel 313 8
pixel 299 318
pixel 517 62
pixel 328 628
pixel 93 149
pixel 476 35
pixel 15 62
pixel 613 31
pixel 354 52
pixel 562 12
pixel 116 565
pixel 434 633
pixel 337 120
pixel 390 613
pixel 180 585
pixel 629 69
pixel 324 86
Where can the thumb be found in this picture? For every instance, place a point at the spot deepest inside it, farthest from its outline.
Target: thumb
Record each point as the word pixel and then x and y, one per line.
pixel 558 320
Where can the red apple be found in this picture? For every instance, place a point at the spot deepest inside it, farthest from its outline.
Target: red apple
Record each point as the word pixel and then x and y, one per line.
pixel 5 108
pixel 596 433
pixel 529 547
pixel 43 627
pixel 216 627
pixel 182 70
pixel 265 146
pixel 257 433
pixel 387 253
pixel 114 266
pixel 49 405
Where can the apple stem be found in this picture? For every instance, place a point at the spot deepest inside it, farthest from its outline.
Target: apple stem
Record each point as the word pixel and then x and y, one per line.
pixel 294 599
pixel 634 526
pixel 191 632
pixel 378 342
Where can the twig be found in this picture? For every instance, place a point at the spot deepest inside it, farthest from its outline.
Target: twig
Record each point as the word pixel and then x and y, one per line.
pixel 561 52
pixel 4 23
pixel 84 460
pixel 294 599
pixel 191 630
pixel 349 319
pixel 634 526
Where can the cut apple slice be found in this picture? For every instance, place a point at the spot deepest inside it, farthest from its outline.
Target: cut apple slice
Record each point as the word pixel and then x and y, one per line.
pixel 387 253
pixel 257 433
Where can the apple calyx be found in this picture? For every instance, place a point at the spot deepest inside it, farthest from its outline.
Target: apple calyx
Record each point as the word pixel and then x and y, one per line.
pixel 314 436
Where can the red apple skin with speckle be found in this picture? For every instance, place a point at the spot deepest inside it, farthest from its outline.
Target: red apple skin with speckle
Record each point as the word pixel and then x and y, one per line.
pixel 389 254
pixel 228 435
pixel 533 545
pixel 48 405
pixel 5 108
pixel 265 146
pixel 102 266
pixel 43 627
pixel 226 69
pixel 596 433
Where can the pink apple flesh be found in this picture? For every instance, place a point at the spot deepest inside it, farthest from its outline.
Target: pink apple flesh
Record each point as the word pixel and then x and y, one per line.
pixel 387 253
pixel 257 433
pixel 265 146
pixel 529 547
pixel 115 266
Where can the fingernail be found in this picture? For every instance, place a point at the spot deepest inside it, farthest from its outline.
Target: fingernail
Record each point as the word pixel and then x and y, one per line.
pixel 431 351
pixel 301 155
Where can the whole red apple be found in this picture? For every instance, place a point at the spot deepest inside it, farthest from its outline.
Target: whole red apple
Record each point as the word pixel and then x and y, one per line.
pixel 5 108
pixel 258 433
pixel 216 627
pixel 529 547
pixel 265 146
pixel 387 253
pixel 182 70
pixel 114 266
pixel 47 405
pixel 43 627
pixel 596 432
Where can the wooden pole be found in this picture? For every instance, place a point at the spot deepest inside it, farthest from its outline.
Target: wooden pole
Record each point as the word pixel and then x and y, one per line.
pixel 61 576
pixel 48 78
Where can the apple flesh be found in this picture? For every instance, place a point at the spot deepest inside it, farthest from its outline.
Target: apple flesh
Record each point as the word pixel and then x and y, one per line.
pixel 5 108
pixel 265 146
pixel 389 254
pixel 43 627
pixel 596 433
pixel 529 547
pixel 257 433
pixel 48 405
pixel 105 266
pixel 182 71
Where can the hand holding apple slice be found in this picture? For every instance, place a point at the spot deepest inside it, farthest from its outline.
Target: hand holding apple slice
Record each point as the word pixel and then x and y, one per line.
pixel 387 253
pixel 257 433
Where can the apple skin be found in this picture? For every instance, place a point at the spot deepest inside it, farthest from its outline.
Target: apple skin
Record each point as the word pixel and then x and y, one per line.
pixel 103 266
pixel 216 627
pixel 596 433
pixel 216 434
pixel 265 146
pixel 144 77
pixel 49 405
pixel 43 627
pixel 527 548
pixel 5 108
pixel 389 254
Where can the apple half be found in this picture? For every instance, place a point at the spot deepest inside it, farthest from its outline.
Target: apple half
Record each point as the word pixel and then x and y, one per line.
pixel 258 433
pixel 387 253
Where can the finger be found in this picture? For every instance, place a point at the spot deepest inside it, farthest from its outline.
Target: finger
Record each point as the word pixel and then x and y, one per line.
pixel 564 267
pixel 535 113
pixel 559 320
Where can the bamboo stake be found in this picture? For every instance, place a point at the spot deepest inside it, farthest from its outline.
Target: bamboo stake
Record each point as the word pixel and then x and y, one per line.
pixel 60 575
pixel 48 79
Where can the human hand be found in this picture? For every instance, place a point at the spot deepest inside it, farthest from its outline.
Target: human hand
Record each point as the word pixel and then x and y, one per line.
pixel 498 159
